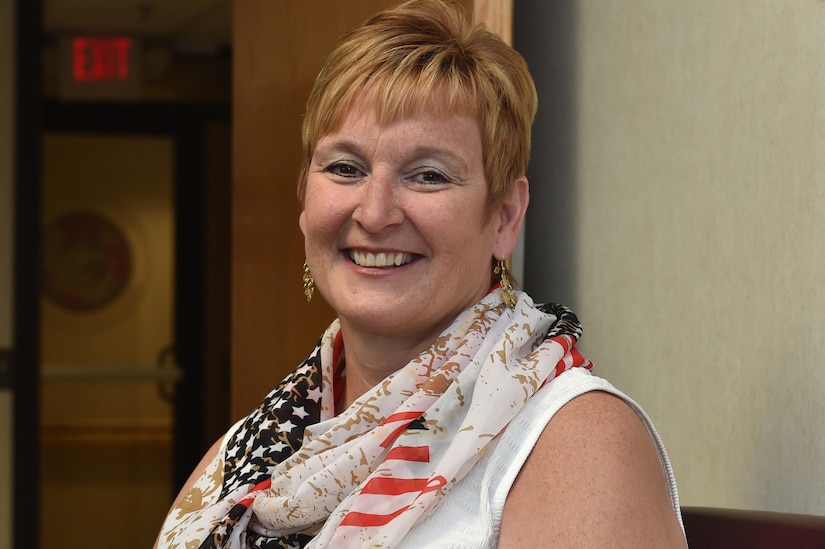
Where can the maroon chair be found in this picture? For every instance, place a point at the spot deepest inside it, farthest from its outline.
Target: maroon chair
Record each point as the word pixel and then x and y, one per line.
pixel 708 528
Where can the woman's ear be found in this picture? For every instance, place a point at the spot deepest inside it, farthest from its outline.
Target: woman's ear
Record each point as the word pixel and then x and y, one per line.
pixel 511 216
pixel 302 222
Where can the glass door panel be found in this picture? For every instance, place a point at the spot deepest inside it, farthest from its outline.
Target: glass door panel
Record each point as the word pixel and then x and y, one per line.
pixel 107 375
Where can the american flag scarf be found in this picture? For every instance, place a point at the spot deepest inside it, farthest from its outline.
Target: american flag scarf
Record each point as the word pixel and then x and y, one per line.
pixel 293 474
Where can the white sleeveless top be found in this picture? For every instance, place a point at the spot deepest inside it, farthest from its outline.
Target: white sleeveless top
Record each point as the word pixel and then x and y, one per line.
pixel 469 516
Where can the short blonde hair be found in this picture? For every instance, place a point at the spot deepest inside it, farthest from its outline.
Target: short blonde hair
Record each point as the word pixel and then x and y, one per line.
pixel 403 57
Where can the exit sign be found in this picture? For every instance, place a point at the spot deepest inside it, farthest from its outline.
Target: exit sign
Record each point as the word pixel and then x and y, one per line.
pixel 100 67
pixel 101 59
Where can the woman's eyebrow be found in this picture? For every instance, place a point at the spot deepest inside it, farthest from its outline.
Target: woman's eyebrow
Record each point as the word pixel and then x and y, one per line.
pixel 455 161
pixel 338 144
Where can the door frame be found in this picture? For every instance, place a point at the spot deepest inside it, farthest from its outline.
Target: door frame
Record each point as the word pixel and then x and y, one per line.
pixel 25 357
pixel 186 126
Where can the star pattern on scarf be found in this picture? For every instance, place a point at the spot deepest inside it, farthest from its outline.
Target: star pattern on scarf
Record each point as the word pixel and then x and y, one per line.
pixel 275 430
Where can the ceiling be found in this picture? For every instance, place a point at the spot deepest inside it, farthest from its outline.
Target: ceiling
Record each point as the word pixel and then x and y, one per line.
pixel 187 25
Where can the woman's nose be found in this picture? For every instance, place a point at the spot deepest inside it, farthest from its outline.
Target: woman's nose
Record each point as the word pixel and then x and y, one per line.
pixel 377 207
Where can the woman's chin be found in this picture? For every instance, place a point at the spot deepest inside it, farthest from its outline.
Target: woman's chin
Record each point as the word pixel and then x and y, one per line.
pixel 382 316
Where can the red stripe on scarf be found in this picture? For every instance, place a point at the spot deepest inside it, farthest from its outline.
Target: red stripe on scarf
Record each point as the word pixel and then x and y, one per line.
pixel 405 418
pixel 409 453
pixel 354 518
pixel 399 486
pixel 250 497
pixel 391 487
pixel 579 359
pixel 339 366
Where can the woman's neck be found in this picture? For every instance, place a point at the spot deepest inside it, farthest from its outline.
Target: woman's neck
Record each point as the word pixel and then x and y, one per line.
pixel 370 358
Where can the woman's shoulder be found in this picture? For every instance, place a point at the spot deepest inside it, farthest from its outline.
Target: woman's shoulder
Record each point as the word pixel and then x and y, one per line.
pixel 598 472
pixel 467 520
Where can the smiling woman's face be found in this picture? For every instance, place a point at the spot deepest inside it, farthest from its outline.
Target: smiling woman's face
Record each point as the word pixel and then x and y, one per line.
pixel 394 222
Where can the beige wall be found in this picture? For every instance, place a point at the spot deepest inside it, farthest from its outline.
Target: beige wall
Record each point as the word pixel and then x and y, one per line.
pixel 701 227
pixel 6 72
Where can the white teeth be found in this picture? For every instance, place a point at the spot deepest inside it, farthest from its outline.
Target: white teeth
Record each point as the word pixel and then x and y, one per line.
pixel 381 259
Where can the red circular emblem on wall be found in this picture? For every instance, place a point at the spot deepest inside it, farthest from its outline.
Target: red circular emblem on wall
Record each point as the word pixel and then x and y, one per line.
pixel 87 261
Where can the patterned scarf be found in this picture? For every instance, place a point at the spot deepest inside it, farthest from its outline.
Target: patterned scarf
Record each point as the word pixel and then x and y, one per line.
pixel 292 474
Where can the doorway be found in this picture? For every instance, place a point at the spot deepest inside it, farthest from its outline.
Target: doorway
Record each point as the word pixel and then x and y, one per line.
pixel 134 313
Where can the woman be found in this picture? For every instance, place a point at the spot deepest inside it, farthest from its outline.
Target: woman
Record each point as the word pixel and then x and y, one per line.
pixel 442 408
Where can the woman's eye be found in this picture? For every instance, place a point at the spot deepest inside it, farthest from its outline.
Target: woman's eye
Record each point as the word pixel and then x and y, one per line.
pixel 342 169
pixel 431 178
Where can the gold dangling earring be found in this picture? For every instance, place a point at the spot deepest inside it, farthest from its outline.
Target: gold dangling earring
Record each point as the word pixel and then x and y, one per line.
pixel 507 295
pixel 309 283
